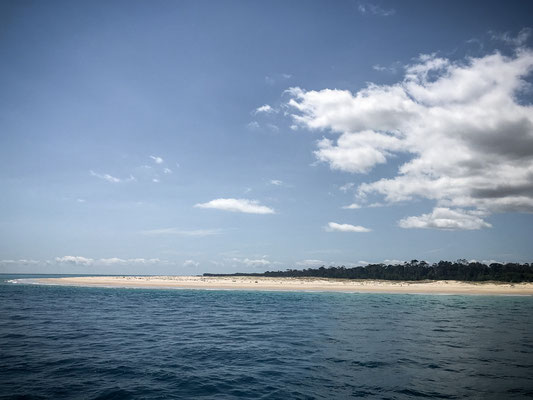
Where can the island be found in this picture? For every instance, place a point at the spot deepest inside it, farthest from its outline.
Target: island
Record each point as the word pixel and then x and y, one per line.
pixel 294 284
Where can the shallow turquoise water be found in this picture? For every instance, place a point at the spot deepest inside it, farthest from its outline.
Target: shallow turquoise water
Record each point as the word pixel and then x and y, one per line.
pixel 96 343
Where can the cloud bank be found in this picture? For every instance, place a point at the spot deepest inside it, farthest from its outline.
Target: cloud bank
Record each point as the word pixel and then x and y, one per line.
pixel 467 136
pixel 83 261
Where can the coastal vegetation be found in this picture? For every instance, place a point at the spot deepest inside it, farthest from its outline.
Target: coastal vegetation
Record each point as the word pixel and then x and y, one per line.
pixel 460 270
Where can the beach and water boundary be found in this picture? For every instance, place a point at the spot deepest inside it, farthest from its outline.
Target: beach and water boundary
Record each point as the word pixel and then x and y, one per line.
pixel 292 284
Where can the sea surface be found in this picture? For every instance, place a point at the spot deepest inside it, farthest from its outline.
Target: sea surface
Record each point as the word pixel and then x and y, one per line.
pixel 99 343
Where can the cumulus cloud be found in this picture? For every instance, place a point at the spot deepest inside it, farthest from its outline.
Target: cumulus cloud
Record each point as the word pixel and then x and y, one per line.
pixel 237 205
pixel 335 227
pixel 264 109
pixel 357 152
pixel 276 182
pixel 445 218
pixel 157 160
pixel 468 138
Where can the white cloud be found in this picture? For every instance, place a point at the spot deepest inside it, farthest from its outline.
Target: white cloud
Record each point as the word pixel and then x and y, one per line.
pixel 253 125
pixel 393 262
pixel 264 109
pixel 470 141
pixel 369 8
pixel 110 178
pixel 157 160
pixel 152 172
pixel 83 261
pixel 74 260
pixel 191 263
pixel 392 68
pixel 181 232
pixel 445 218
pixel 19 262
pixel 276 182
pixel 335 227
pixel 258 262
pixel 112 261
pixel 357 152
pixel 380 68
pixel 519 40
pixel 146 261
pixel 347 187
pixel 352 206
pixel 355 206
pixel 129 261
pixel 237 205
pixel 310 263
pixel 272 79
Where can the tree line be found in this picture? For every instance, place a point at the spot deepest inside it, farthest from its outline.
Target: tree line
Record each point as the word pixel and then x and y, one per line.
pixel 415 270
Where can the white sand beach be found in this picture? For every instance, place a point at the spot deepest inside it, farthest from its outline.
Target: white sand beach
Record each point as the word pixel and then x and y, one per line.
pixel 295 284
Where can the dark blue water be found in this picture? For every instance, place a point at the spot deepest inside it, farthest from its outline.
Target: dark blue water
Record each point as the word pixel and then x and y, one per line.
pixel 96 343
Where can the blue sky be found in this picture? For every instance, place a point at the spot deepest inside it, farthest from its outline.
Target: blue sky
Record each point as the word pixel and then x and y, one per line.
pixel 177 137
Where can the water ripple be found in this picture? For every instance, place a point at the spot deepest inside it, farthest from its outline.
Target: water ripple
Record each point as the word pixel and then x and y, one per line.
pixel 89 343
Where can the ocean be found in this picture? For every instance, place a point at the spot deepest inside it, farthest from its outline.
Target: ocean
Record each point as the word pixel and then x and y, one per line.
pixel 102 343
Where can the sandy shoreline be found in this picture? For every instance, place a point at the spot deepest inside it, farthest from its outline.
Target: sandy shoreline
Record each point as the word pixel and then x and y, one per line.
pixel 293 284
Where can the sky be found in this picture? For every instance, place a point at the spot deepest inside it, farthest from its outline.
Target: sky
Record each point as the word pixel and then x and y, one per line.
pixel 183 137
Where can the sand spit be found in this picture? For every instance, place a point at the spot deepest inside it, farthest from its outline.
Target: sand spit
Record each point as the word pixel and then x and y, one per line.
pixel 294 284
